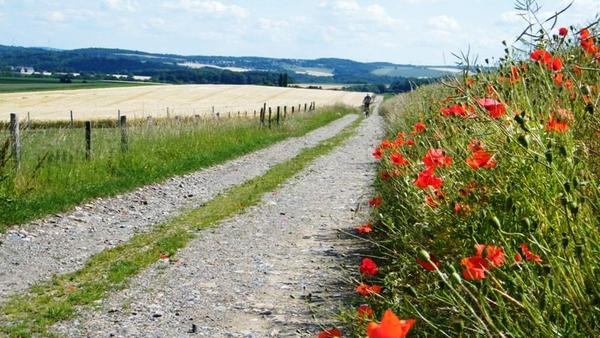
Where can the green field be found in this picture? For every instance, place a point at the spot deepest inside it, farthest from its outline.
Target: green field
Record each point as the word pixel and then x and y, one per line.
pixel 28 84
pixel 409 72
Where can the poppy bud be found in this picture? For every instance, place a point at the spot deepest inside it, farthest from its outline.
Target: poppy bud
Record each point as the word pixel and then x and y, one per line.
pixel 563 200
pixel 423 255
pixel 524 140
pixel 458 325
pixel 585 89
pixel 519 119
pixel 563 150
pixel 548 155
pixel 509 204
pixel 455 278
pixel 573 207
pixel 495 222
pixel 450 269
pixel 525 223
pixel 579 250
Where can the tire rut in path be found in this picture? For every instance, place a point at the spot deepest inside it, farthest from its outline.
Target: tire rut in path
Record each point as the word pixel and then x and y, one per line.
pixel 252 274
pixel 62 243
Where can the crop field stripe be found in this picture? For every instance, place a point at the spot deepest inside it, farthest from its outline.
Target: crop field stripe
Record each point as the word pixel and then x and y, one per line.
pixel 31 314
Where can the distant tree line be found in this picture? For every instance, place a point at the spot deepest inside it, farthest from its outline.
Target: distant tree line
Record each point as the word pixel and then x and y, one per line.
pixel 103 64
pixel 401 85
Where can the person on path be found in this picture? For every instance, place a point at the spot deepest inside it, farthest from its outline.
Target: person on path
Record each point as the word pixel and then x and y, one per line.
pixel 366 103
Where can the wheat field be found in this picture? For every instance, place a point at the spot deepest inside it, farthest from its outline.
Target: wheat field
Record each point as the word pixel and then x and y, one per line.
pixel 164 100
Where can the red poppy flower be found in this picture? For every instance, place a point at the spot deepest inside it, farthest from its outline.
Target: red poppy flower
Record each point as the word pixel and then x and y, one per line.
pixel 562 31
pixel 557 124
pixel 378 153
pixel 494 108
pixel 384 175
pixel 368 290
pixel 332 333
pixel 429 265
pixel 368 267
pixel 364 228
pixel 376 201
pixel 427 179
pixel 436 158
pixel 385 144
pixel 481 159
pixel 555 64
pixel 397 159
pixel 456 109
pixel 541 55
pixel 494 254
pixel 587 41
pixel 475 145
pixel 528 255
pixel 390 326
pixel 419 127
pixel 474 267
pixel 364 311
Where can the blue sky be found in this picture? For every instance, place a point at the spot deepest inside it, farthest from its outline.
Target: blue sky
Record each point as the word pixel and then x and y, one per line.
pixel 419 32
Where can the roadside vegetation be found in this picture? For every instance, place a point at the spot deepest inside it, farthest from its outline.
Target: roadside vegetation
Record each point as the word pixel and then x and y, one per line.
pixel 486 215
pixel 55 174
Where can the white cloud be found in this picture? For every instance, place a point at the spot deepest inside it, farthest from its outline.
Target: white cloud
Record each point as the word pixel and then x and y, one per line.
pixel 346 5
pixel 55 16
pixel 122 5
pixel 379 15
pixel 214 8
pixel 154 23
pixel 444 22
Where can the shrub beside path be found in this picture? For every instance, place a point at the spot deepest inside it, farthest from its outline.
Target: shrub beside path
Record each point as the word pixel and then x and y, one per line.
pixel 261 273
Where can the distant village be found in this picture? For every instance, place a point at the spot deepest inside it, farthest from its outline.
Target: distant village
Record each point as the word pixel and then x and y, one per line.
pixel 23 70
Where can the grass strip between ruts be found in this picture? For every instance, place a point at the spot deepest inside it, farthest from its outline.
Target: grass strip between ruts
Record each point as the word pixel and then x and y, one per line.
pixel 31 314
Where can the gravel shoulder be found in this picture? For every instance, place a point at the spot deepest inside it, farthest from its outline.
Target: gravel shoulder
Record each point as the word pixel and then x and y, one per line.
pixel 250 276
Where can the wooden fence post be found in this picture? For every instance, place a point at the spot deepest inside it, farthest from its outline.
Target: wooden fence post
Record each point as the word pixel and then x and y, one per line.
pixel 72 122
pixel 284 111
pixel 293 109
pixel 277 115
pixel 269 117
pixel 15 140
pixel 305 107
pixel 124 139
pixel 88 140
pixel 262 117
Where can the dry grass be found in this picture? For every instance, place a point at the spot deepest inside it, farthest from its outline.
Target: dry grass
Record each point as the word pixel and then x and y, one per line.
pixel 158 100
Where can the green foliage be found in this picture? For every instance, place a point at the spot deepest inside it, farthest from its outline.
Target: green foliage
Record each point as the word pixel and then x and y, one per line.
pixel 55 174
pixel 499 188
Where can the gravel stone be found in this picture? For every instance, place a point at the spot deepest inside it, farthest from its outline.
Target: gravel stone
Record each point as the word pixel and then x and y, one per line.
pixel 262 273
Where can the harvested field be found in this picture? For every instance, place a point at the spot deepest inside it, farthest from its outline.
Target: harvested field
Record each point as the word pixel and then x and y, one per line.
pixel 160 100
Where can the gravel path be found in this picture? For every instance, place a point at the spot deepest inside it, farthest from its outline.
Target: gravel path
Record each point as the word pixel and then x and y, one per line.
pixel 251 276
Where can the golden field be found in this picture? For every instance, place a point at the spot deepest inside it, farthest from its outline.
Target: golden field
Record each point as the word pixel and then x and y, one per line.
pixel 160 100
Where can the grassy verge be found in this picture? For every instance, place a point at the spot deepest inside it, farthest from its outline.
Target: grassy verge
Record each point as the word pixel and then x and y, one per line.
pixel 487 225
pixel 55 174
pixel 32 314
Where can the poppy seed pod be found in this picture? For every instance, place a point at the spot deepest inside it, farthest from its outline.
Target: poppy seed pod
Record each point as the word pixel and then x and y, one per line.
pixel 455 278
pixel 423 255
